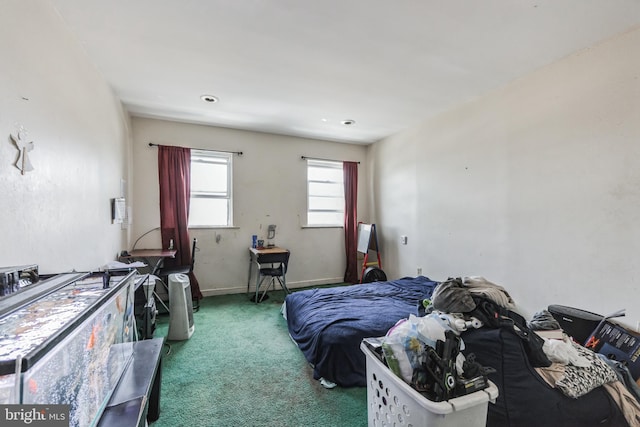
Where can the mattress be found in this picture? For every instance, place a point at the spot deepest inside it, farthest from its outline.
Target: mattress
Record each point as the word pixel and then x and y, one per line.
pixel 328 324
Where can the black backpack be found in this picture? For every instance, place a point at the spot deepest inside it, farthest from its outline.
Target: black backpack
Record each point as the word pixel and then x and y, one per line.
pixel 493 315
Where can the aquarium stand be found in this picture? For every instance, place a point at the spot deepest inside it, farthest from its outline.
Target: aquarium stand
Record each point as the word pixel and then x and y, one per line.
pixel 137 396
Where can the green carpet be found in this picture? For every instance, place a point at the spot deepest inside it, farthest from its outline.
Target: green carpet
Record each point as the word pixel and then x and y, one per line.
pixel 240 368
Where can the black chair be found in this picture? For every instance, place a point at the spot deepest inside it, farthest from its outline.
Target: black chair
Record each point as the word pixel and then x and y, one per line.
pixel 164 272
pixel 276 271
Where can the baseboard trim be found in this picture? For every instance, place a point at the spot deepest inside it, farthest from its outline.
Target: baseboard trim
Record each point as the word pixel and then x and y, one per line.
pixel 290 285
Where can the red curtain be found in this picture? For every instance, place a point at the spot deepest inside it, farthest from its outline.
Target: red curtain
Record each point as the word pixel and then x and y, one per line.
pixel 174 176
pixel 350 170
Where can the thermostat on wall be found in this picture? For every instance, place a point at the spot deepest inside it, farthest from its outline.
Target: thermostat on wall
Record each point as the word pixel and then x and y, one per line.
pixel 118 210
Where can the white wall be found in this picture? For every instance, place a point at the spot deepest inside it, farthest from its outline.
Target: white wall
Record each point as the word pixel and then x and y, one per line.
pixel 535 186
pixel 393 184
pixel 269 187
pixel 57 216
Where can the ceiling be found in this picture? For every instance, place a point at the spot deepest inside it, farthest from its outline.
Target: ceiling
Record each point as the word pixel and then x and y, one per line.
pixel 302 67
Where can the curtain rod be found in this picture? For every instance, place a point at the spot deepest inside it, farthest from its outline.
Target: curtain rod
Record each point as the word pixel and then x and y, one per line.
pixel 239 153
pixel 326 160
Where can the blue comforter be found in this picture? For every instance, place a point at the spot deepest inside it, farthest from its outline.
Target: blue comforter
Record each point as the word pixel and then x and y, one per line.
pixel 328 324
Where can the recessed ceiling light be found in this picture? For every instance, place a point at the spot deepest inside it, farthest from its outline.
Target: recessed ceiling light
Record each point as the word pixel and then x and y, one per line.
pixel 348 122
pixel 209 98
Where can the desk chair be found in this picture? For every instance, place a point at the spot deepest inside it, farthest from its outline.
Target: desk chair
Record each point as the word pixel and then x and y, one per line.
pixel 164 273
pixel 273 273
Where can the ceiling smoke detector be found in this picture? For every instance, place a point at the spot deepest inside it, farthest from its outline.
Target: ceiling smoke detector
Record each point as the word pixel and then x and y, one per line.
pixel 348 122
pixel 209 98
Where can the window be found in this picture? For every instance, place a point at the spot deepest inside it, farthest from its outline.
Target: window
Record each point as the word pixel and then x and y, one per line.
pixel 325 193
pixel 211 202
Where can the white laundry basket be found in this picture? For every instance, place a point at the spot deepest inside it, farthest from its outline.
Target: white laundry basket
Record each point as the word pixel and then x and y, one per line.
pixel 393 402
pixel 181 325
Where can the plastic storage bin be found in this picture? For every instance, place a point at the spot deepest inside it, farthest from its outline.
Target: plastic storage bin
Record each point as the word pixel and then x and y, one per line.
pixel 392 402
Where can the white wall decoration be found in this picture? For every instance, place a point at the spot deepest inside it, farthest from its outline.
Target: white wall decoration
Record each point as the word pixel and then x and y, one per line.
pixel 23 163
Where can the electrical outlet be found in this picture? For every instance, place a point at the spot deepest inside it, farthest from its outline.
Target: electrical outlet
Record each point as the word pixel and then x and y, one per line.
pixel 420 272
pixel 403 240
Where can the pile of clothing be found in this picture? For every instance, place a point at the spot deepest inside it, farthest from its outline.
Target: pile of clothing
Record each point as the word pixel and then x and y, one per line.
pixel 426 350
pixel 577 370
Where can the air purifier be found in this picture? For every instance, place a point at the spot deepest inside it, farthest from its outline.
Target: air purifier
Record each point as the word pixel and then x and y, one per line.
pixel 181 324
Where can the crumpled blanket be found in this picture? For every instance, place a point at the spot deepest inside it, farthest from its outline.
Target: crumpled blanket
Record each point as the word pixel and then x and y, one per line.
pixel 480 286
pixel 623 397
pixel 455 295
pixel 452 296
pixel 576 381
pixel 563 351
pixel 543 321
pixel 627 403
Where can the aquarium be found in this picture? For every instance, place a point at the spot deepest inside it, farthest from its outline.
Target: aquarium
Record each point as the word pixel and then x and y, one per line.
pixel 70 344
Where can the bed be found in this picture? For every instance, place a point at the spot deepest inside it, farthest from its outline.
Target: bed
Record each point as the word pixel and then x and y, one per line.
pixel 328 324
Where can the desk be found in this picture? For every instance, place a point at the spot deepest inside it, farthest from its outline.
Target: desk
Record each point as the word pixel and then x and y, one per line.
pixel 253 259
pixel 146 254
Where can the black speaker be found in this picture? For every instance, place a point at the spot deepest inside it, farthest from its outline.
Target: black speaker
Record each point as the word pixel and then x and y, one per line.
pixel 577 323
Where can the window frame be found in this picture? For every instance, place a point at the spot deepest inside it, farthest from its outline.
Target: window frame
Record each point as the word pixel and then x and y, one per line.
pixel 329 164
pixel 201 156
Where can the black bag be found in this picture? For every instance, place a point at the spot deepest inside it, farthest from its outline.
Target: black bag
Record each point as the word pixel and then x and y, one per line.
pixel 496 316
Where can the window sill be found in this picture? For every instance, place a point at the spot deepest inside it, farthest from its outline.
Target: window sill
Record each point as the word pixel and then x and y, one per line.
pixel 213 227
pixel 322 226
